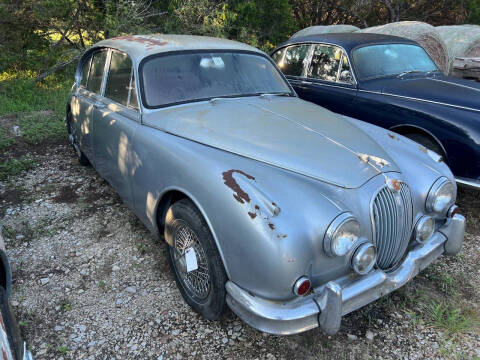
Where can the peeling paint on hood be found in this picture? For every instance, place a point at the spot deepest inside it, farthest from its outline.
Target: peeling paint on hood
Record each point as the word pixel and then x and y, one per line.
pixel 282 131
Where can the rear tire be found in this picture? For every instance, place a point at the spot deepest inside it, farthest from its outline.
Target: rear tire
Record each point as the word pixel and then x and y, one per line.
pixel 204 288
pixel 82 159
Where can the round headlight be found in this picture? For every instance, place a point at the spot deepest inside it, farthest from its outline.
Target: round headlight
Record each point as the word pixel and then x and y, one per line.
pixel 441 196
pixel 341 235
pixel 364 258
pixel 424 228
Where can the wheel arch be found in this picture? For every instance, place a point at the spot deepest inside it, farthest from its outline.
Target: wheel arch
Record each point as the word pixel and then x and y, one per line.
pixel 170 196
pixel 411 129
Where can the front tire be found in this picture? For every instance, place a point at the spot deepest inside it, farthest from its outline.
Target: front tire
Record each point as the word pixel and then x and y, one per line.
pixel 202 288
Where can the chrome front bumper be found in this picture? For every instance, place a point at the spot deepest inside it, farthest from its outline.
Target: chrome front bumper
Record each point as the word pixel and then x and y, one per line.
pixel 328 303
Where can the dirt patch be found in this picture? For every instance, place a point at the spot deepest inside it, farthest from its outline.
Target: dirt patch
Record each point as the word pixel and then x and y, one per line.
pixel 11 196
pixel 66 195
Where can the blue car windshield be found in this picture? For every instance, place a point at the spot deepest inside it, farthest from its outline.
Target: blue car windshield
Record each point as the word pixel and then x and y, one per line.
pixel 376 61
pixel 184 77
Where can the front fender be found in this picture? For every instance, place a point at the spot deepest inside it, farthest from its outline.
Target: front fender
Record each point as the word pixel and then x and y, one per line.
pixel 269 223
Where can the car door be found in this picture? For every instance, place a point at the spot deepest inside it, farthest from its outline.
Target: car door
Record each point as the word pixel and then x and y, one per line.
pixel 87 95
pixel 115 124
pixel 328 80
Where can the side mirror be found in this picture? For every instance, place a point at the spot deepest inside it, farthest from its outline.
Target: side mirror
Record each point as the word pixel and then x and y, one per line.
pixel 346 77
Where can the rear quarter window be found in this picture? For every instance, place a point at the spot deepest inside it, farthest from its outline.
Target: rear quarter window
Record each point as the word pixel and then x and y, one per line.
pixel 119 82
pixel 85 69
pixel 95 75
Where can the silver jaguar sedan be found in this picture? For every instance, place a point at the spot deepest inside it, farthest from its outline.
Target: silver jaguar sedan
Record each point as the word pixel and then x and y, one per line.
pixel 292 215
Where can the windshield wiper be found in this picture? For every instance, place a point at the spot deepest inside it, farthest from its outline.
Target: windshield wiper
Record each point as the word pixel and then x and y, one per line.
pixel 432 72
pixel 408 72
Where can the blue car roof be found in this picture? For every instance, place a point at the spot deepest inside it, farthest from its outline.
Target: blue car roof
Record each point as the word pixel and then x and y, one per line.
pixel 349 41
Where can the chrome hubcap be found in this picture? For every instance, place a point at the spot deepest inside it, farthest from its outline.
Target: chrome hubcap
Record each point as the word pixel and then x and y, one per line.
pixel 196 281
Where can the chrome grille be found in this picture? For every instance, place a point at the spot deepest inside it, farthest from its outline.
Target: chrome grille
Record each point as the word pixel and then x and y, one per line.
pixel 392 213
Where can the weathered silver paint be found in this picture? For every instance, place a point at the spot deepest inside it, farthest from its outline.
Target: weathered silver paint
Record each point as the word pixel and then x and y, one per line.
pixel 268 173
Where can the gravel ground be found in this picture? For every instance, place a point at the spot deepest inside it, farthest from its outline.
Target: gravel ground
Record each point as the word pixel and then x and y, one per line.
pixel 90 282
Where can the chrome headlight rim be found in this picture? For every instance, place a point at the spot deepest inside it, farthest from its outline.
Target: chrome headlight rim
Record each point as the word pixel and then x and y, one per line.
pixel 421 223
pixel 438 185
pixel 360 250
pixel 333 228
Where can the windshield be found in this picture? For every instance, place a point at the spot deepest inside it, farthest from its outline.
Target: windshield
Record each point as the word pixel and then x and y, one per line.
pixel 182 77
pixel 391 59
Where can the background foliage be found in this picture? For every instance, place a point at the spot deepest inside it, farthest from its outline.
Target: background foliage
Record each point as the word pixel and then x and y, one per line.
pixel 38 35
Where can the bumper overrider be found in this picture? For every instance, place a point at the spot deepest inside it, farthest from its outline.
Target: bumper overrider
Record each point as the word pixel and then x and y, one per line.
pixel 327 304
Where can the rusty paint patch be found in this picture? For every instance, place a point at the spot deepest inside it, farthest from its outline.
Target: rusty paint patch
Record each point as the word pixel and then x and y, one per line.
pixel 5 357
pixel 393 137
pixel 282 236
pixel 239 195
pixel 252 215
pixel 257 207
pixel 149 43
pixel 396 184
pixel 271 226
pixel 423 149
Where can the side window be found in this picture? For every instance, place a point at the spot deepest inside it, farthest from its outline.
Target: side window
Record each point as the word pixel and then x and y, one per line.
pixel 96 71
pixel 278 56
pixel 85 69
pixel 346 71
pixel 121 83
pixel 293 60
pixel 325 63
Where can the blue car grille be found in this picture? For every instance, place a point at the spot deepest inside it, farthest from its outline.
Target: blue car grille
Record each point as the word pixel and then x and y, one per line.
pixel 392 213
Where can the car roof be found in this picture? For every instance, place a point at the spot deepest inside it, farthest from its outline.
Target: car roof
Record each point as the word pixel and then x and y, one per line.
pixel 349 41
pixel 141 46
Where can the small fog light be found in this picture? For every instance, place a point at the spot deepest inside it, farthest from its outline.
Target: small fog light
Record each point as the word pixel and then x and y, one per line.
pixel 424 228
pixel 364 258
pixel 302 286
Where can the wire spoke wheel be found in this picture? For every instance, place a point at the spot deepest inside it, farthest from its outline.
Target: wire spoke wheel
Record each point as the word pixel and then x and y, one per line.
pixel 196 281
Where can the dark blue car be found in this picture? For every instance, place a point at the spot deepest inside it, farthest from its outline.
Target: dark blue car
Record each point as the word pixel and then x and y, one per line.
pixel 393 83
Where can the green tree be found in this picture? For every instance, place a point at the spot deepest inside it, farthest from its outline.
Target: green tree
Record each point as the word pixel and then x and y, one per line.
pixel 263 23
pixel 474 12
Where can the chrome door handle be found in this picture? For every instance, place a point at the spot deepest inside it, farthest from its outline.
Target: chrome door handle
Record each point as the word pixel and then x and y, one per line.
pixel 100 105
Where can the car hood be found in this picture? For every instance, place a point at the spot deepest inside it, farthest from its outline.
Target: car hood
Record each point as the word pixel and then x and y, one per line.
pixel 281 131
pixel 444 90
